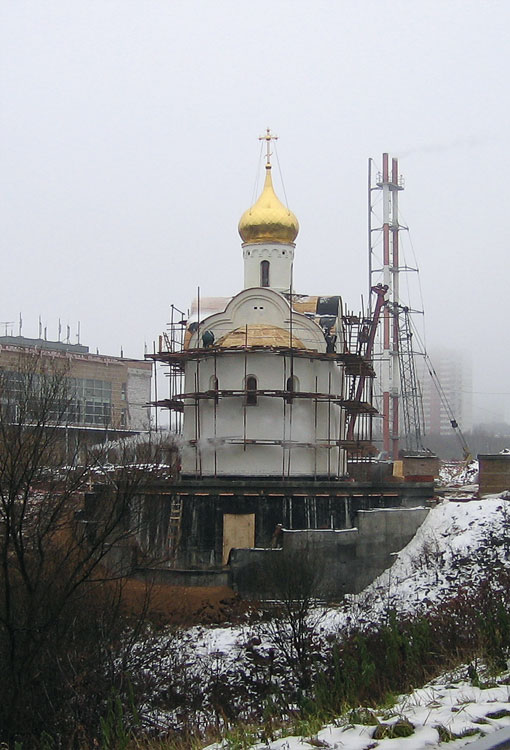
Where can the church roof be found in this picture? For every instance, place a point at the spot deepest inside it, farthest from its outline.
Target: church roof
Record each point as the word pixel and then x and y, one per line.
pixel 259 335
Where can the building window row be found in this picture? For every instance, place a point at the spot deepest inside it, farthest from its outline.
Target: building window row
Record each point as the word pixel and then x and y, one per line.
pixel 68 400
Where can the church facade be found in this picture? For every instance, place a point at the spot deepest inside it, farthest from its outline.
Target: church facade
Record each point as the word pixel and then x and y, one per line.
pixel 263 377
pixel 270 391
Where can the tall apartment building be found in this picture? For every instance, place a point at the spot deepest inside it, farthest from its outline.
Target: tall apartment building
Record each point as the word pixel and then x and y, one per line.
pixel 454 372
pixel 107 396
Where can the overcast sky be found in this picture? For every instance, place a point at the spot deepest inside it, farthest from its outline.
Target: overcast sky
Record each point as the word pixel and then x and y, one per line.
pixel 128 143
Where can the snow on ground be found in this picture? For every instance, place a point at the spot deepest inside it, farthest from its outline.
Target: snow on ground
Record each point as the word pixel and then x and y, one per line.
pixel 441 711
pixel 458 473
pixel 424 573
pixel 440 558
pixel 437 561
pixel 215 642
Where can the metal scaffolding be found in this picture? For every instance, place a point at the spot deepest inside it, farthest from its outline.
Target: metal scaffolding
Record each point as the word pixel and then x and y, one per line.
pixel 354 403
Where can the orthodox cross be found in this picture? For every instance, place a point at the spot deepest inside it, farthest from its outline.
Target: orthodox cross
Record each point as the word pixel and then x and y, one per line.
pixel 268 137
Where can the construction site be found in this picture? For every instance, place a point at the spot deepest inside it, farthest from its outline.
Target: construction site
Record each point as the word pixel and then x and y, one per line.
pixel 298 419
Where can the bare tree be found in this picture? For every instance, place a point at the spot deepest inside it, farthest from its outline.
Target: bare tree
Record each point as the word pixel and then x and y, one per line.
pixel 52 572
pixel 293 625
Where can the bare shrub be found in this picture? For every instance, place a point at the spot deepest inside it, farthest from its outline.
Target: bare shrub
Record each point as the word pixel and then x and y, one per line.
pixel 61 623
pixel 293 617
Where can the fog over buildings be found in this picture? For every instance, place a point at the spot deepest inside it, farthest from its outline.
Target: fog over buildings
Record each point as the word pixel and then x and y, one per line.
pixel 128 141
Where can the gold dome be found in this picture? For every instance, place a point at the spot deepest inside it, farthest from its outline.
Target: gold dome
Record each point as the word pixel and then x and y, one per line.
pixel 268 220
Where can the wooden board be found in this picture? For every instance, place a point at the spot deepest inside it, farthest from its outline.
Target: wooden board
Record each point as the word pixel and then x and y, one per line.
pixel 238 532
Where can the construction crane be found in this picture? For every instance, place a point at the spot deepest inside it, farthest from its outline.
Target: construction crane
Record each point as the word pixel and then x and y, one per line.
pixel 411 400
pixel 410 393
pixel 400 389
pixel 369 338
pixel 448 409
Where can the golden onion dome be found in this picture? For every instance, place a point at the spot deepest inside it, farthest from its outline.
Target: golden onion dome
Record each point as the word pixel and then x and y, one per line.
pixel 268 220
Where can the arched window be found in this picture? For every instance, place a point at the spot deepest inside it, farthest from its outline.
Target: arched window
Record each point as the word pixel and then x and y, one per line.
pixel 250 398
pixel 291 386
pixel 213 386
pixel 264 273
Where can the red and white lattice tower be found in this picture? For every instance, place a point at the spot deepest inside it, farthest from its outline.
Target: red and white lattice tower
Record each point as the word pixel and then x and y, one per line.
pixel 390 183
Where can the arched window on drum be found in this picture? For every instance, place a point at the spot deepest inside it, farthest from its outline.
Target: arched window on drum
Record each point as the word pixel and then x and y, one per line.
pixel 291 387
pixel 250 396
pixel 264 273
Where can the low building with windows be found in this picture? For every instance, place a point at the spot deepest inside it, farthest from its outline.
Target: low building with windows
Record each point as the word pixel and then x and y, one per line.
pixel 105 396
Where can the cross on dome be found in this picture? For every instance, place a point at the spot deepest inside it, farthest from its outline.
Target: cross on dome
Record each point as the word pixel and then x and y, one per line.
pixel 268 220
pixel 268 137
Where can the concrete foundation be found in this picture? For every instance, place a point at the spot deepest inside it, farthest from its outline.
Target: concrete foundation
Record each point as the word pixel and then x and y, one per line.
pixel 172 577
pixel 209 509
pixel 197 532
pixel 345 561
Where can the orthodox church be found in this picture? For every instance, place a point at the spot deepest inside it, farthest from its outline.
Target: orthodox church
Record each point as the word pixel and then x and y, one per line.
pixel 270 392
pixel 263 377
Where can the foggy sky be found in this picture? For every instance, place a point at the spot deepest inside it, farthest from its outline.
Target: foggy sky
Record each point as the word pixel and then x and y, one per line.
pixel 128 143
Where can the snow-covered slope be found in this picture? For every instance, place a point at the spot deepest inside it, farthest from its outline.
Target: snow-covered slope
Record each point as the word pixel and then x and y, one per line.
pixel 443 711
pixel 450 550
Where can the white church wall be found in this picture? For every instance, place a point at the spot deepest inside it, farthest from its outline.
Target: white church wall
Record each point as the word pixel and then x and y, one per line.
pixel 280 258
pixel 266 307
pixel 218 427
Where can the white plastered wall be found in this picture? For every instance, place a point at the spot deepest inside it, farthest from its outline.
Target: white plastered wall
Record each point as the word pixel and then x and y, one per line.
pixel 215 426
pixel 280 257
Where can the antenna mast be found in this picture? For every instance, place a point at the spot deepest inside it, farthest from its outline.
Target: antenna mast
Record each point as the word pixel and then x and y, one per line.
pixel 390 183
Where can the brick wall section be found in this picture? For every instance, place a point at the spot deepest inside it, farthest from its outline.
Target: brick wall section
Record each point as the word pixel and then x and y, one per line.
pixel 420 468
pixel 494 473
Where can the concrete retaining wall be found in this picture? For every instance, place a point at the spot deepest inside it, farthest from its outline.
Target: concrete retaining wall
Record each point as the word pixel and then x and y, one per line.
pixel 344 561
